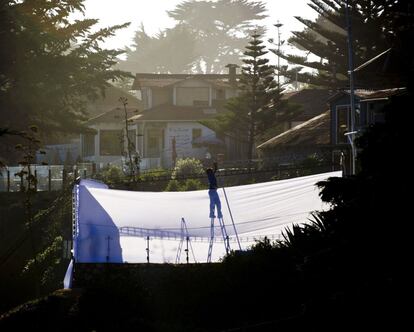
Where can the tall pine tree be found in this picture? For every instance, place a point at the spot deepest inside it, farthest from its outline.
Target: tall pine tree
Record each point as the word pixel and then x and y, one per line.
pixel 325 38
pixel 254 111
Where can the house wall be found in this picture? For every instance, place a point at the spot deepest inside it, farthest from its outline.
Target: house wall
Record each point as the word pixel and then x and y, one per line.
pixel 183 131
pixel 334 105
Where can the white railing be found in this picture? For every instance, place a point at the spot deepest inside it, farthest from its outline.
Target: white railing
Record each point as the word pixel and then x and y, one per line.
pixel 150 163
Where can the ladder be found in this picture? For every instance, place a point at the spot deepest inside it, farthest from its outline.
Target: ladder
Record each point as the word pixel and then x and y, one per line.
pixel 224 235
pixel 184 235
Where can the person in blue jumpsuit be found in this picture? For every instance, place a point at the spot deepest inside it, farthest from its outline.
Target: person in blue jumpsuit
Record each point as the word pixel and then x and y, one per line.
pixel 212 192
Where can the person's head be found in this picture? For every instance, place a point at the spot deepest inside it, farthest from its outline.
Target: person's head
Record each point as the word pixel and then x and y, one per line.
pixel 209 171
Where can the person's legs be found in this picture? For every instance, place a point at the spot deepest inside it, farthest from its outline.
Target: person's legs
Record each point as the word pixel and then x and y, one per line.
pixel 218 204
pixel 214 197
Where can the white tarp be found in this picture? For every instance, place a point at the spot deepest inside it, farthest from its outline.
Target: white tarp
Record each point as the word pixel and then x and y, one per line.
pixel 113 225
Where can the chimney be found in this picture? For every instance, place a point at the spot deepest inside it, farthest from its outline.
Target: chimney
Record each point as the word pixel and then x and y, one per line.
pixel 232 73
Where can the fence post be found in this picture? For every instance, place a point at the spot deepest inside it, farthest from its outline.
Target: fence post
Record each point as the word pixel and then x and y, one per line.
pixel 50 179
pixel 64 175
pixel 84 173
pixel 35 180
pixel 8 181
pixel 21 183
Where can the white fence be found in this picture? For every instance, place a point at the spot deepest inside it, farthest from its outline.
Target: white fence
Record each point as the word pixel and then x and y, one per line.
pixel 49 178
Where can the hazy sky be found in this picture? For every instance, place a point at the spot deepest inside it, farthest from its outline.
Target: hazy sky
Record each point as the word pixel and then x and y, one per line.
pixel 152 13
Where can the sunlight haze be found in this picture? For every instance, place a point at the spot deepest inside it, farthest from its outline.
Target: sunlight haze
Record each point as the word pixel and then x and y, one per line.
pixel 153 14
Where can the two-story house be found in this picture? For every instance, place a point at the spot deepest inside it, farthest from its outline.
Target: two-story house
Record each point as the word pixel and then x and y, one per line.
pixel 174 105
pixel 166 123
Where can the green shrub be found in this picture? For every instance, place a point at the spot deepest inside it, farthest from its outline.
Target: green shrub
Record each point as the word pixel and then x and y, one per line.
pixel 192 184
pixel 186 167
pixel 173 185
pixel 111 174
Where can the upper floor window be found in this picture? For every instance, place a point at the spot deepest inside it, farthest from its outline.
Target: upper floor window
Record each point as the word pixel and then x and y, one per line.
pixel 342 123
pixel 192 96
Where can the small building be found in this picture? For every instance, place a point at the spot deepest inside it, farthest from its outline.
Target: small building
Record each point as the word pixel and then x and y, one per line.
pixel 324 136
pixel 310 138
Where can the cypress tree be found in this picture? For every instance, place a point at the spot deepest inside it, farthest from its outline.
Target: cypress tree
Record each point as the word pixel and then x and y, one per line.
pixel 373 30
pixel 256 108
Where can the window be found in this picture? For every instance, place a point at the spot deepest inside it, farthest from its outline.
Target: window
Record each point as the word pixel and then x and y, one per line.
pixel 198 96
pixel 220 94
pixel 155 137
pixel 88 146
pixel 342 124
pixel 111 143
pixel 196 134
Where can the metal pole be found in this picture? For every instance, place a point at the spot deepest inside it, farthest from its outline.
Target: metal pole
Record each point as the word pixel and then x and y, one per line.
pixel 186 249
pixel 8 180
pixel 64 173
pixel 232 220
pixel 108 249
pixel 147 249
pixel 50 180
pixel 278 25
pixel 351 83
pixel 21 183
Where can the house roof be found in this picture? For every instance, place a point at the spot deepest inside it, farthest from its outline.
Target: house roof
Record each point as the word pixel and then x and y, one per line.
pixel 315 131
pixel 370 94
pixel 168 112
pixel 163 80
pixel 312 101
pixel 115 115
pixel 111 101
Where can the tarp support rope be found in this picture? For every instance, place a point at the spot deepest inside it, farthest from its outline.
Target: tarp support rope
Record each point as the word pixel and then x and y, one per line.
pixel 232 220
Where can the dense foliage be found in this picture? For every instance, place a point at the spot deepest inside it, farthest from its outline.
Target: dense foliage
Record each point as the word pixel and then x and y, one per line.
pixel 259 109
pixel 376 26
pixel 208 36
pixel 51 65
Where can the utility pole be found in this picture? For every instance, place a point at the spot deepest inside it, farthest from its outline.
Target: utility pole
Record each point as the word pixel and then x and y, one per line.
pixel 351 134
pixel 278 25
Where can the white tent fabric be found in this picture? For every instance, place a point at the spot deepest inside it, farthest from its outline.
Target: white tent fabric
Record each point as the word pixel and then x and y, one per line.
pixel 113 225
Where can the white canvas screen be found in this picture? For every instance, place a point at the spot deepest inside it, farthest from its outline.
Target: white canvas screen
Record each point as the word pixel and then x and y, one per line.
pixel 113 225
